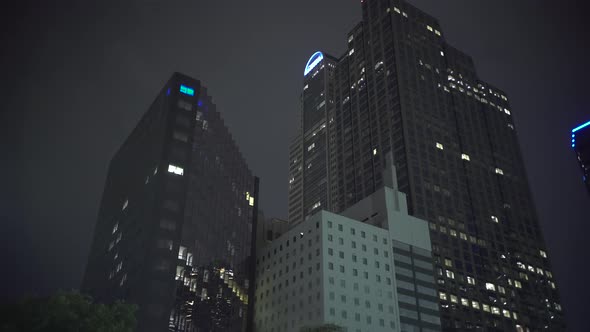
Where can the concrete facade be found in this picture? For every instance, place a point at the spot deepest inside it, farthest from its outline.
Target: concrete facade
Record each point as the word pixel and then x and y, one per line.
pixel 368 269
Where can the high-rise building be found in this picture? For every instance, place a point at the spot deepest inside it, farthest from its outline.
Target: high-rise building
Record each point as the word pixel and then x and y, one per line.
pixel 175 228
pixel 366 269
pixel 401 88
pixel 581 145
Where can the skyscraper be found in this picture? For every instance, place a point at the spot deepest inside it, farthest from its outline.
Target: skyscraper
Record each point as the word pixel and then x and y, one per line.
pixel 176 223
pixel 581 145
pixel 401 88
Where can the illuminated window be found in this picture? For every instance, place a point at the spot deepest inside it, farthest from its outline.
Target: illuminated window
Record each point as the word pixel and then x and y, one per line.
pixel 305 87
pixel 495 219
pixel 251 201
pixel 125 204
pixel 495 310
pixel 311 146
pixel 490 286
pixel 470 280
pixel 448 262
pixel 442 296
pixel 395 9
pixel 175 169
pixel 506 111
pixel 429 28
pixel 454 299
pixel 517 284
pixel 439 146
pixel 506 313
pixel 549 274
pixel 499 171
pixel 450 274
pixel 182 252
pixel 543 253
pixel 374 152
pixel 442 53
pixel 123 279
pixel 465 157
pixel 501 290
pixel 465 302
pixel 437 32
pixel 351 52
pixel 115 228
pixel 475 304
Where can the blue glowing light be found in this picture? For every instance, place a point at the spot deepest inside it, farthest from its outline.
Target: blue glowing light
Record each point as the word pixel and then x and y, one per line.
pixel 312 62
pixel 186 90
pixel 168 92
pixel 200 103
pixel 581 126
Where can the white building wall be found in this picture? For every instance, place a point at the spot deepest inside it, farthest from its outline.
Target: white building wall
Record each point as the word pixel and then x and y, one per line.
pixel 335 269
pixel 289 281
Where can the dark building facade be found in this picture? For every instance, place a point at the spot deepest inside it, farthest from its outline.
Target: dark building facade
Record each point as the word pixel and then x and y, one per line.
pixel 581 145
pixel 175 228
pixel 401 87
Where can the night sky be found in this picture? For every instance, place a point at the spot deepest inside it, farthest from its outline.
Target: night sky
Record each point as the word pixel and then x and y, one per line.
pixel 77 77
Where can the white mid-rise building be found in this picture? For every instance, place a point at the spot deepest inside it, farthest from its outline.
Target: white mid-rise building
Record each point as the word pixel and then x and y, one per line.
pixel 367 269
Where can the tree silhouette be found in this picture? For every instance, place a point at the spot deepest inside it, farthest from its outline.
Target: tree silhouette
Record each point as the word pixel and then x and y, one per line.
pixel 67 311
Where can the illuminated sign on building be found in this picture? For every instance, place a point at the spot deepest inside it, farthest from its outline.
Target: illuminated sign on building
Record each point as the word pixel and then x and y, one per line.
pixel 312 62
pixel 186 90
pixel 576 129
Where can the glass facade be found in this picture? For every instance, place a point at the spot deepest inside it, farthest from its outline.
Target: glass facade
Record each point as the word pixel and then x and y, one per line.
pixel 401 88
pixel 182 201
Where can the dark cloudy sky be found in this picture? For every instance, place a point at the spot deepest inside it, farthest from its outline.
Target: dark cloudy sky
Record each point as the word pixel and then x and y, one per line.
pixel 77 76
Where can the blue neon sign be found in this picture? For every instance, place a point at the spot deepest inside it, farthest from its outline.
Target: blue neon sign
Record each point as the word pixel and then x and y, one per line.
pixel 581 126
pixel 312 62
pixel 186 90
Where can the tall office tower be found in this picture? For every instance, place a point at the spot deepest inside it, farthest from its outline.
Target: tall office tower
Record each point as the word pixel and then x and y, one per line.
pixel 401 87
pixel 295 181
pixel 366 269
pixel 309 151
pixel 581 145
pixel 176 222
